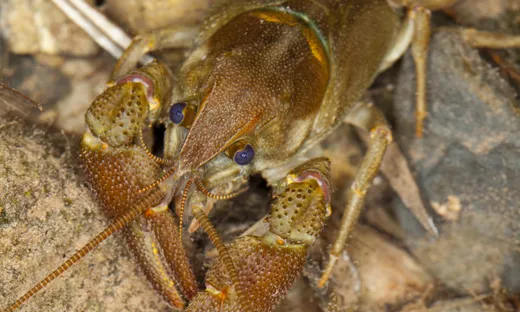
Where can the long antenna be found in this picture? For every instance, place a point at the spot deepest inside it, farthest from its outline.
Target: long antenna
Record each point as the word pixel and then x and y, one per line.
pixel 149 201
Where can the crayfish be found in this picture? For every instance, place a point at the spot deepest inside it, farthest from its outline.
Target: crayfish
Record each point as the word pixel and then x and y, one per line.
pixel 265 81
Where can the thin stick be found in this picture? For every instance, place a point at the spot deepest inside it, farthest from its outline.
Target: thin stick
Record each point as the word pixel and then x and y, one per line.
pixel 98 36
pixel 113 31
pixel 106 34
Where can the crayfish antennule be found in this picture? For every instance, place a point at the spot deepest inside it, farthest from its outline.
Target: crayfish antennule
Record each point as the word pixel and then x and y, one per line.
pixel 157 182
pixel 206 192
pixel 160 161
pixel 183 204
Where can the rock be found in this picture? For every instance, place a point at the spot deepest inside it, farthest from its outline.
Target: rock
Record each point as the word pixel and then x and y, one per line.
pixel 46 213
pixel 142 16
pixel 38 26
pixel 457 305
pixel 469 157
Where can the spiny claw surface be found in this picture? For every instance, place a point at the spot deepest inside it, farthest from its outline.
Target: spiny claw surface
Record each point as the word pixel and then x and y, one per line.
pixel 267 266
pixel 116 175
pixel 121 171
pixel 118 114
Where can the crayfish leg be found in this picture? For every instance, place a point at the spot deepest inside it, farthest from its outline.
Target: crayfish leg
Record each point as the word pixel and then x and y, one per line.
pixel 380 137
pixel 171 37
pixel 166 230
pixel 415 32
pixel 420 43
pixel 420 19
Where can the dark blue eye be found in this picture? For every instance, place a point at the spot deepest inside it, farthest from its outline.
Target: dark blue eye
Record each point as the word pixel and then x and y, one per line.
pixel 244 156
pixel 177 112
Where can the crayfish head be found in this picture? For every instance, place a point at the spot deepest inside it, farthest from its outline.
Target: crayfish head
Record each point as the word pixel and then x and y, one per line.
pixel 227 115
pixel 219 141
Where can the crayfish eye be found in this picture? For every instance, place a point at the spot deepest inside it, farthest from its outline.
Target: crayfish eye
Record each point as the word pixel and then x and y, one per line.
pixel 182 114
pixel 241 152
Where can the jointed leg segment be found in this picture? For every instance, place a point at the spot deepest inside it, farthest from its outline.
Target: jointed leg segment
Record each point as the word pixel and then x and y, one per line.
pixel 419 19
pixel 173 37
pixel 486 39
pixel 380 137
pixel 420 43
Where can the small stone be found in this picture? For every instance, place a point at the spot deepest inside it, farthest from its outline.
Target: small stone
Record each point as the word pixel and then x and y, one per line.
pixel 470 151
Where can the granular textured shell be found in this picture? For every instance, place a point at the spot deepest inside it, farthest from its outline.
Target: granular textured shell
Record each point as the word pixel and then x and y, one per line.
pixel 298 214
pixel 116 176
pixel 265 272
pixel 117 114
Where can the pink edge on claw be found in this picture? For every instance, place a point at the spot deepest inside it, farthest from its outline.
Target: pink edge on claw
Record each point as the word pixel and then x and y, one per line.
pixel 147 82
pixel 322 182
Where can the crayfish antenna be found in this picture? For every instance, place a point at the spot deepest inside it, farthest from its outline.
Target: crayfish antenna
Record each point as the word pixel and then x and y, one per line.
pixel 149 201
pixel 157 182
pixel 215 238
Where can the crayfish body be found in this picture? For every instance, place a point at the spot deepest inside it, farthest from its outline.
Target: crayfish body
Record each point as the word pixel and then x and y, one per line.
pixel 265 82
